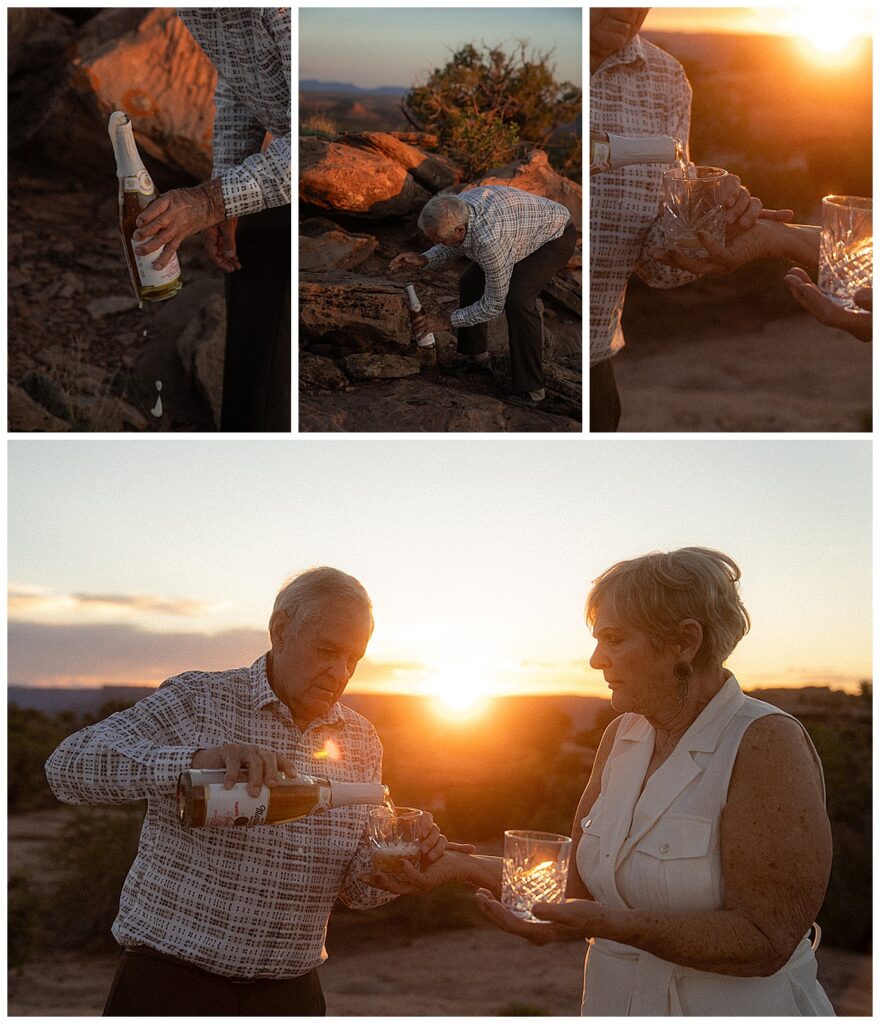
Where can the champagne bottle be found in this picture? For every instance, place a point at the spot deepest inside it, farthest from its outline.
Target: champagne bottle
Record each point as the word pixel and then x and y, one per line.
pixel 608 152
pixel 137 191
pixel 204 802
pixel 426 340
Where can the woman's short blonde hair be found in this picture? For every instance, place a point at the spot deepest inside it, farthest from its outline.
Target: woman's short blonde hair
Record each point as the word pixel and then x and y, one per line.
pixel 656 591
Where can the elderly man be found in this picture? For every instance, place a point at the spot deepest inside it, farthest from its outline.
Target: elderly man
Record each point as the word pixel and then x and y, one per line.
pixel 250 47
pixel 635 89
pixel 232 921
pixel 516 242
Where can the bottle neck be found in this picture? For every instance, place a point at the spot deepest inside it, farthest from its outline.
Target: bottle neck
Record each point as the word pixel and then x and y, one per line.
pixel 344 794
pixel 412 299
pixel 648 149
pixel 128 160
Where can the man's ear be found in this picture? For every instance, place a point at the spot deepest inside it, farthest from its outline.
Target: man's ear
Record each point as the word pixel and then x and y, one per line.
pixel 278 628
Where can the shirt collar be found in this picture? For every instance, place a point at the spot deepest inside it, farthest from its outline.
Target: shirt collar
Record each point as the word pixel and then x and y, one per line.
pixel 633 53
pixel 263 695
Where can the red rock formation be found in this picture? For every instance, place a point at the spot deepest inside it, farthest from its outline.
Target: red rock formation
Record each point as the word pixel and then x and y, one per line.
pixel 534 174
pixel 348 180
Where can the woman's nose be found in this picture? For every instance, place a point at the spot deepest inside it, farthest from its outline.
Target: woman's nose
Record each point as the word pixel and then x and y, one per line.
pixel 597 660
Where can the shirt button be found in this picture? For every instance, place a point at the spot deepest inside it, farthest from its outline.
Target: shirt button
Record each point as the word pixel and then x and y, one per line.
pixel 664 847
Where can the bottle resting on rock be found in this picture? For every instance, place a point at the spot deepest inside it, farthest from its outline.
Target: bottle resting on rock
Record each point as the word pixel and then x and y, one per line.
pixel 204 802
pixel 136 192
pixel 608 152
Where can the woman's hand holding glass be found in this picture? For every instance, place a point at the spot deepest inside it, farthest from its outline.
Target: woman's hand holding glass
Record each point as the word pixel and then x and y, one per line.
pixel 573 919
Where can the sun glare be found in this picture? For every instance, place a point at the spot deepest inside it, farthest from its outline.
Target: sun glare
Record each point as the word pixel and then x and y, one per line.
pixel 823 36
pixel 460 691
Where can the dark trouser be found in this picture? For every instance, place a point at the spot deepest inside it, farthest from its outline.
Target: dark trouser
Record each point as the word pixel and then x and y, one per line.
pixel 604 399
pixel 523 319
pixel 256 374
pixel 150 984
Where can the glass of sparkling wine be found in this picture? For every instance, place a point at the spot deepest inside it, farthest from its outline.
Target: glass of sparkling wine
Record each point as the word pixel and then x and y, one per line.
pixel 534 870
pixel 846 248
pixel 394 838
pixel 692 202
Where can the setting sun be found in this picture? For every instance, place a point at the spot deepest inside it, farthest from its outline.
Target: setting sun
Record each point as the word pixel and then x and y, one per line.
pixel 820 35
pixel 460 690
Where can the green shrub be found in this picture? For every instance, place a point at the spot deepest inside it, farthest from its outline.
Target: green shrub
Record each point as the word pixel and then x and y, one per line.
pixel 477 142
pixel 480 90
pixel 25 920
pixel 94 852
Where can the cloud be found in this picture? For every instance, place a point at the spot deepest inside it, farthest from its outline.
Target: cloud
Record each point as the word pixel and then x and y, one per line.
pixel 97 653
pixel 24 599
pixel 145 603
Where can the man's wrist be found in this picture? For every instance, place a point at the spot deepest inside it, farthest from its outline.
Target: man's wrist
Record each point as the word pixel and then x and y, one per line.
pixel 212 195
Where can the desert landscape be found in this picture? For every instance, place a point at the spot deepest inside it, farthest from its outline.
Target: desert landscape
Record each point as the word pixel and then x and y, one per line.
pixel 365 172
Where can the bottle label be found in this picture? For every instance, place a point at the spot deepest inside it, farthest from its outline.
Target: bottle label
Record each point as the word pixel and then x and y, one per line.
pixel 225 807
pixel 149 276
pixel 140 182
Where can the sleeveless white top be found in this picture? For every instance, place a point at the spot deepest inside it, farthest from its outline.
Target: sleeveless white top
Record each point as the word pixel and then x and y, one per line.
pixel 661 851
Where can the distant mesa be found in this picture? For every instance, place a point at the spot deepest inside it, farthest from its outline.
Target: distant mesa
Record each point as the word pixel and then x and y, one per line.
pixel 313 85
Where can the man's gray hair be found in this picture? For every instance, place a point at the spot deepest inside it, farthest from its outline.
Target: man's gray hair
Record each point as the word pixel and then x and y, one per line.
pixel 443 214
pixel 308 591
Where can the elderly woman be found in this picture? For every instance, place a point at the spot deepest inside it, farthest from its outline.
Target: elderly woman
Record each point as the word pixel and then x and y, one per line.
pixel 702 845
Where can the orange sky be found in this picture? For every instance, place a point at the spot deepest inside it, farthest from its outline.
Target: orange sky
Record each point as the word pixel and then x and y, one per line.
pixel 770 20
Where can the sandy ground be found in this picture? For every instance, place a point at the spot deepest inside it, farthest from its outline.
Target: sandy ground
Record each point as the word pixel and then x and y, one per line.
pixel 475 972
pixel 738 355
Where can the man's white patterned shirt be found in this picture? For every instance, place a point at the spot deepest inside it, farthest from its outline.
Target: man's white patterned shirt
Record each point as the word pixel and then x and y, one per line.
pixel 251 49
pixel 639 90
pixel 504 226
pixel 240 902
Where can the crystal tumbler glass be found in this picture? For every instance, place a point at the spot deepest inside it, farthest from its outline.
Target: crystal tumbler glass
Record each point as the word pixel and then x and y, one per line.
pixel 692 202
pixel 846 248
pixel 534 870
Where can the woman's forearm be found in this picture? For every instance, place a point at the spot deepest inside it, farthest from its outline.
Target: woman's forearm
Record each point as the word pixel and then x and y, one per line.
pixel 481 871
pixel 796 242
pixel 721 941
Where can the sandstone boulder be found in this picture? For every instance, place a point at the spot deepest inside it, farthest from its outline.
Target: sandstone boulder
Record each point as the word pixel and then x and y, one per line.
pixel 355 312
pixel 349 180
pixel 324 246
pixel 145 62
pixel 534 174
pixel 432 171
pixel 37 37
pixel 320 372
pixel 140 60
pixel 379 366
pixel 565 288
pixel 25 414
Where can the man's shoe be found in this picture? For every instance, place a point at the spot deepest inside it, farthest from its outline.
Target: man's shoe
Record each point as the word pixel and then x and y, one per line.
pixel 524 398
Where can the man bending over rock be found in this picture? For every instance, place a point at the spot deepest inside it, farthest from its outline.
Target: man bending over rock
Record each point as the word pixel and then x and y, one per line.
pixel 516 242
